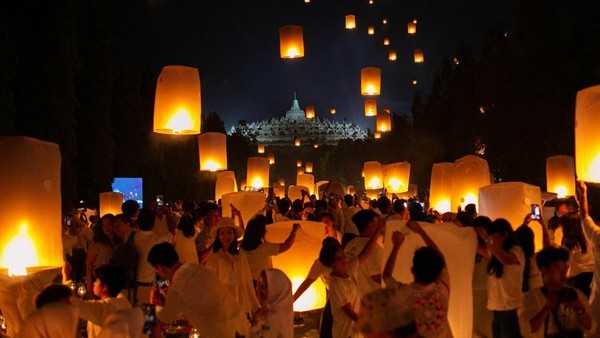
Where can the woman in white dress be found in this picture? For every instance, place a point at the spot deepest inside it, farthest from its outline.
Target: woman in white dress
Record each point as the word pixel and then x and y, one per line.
pixel 183 240
pixel 275 318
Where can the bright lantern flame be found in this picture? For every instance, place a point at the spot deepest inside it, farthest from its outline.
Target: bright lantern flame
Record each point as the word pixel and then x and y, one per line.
pixel 395 184
pixel 19 253
pixel 181 120
pixel 374 183
pixel 443 206
pixel 211 165
pixel 561 191
pixel 292 52
pixel 470 198
pixel 311 299
pixel 257 183
pixel 370 89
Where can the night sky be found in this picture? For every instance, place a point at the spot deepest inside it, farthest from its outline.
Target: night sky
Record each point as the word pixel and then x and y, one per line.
pixel 235 46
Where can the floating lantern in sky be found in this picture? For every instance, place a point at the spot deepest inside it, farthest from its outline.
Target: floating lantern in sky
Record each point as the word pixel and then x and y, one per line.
pixel 350 22
pixel 271 158
pixel 307 1
pixel 371 30
pixel 110 203
pixel 384 122
pixel 414 82
pixel 261 148
pixel 396 177
pixel 30 235
pixel 560 175
pixel 384 21
pixel 370 81
pixel 316 145
pixel 419 58
pixel 291 42
pixel 297 141
pixel 377 135
pixel 278 190
pixel 587 138
pixel 298 163
pixel 212 151
pixel 468 175
pixel 225 184
pixel 386 41
pixel 300 171
pixel 412 28
pixel 309 167
pixel 362 173
pixel 257 174
pixel 332 110
pixel 414 21
pixel 310 112
pixel 370 107
pixel 371 2
pixel 306 180
pixel 392 55
pixel 482 109
pixel 177 101
pixel 351 190
pixel 373 175
pixel 440 187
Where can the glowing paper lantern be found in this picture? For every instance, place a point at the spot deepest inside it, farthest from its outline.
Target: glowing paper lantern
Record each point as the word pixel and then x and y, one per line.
pixel 468 175
pixel 212 151
pixel 30 235
pixel 414 82
pixel 350 22
pixel 110 203
pixel 560 175
pixel 271 158
pixel 332 110
pixel 587 138
pixel 412 28
pixel 306 180
pixel 370 81
pixel 377 135
pixel 362 173
pixel 249 203
pixel 295 192
pixel 392 55
pixel 396 177
pixel 351 190
pixel 297 141
pixel 320 187
pixel 370 107
pixel 309 167
pixel 298 163
pixel 310 112
pixel 177 101
pixel 371 194
pixel 511 201
pixel 440 187
pixel 257 172
pixel 300 171
pixel 291 42
pixel 261 148
pixel 384 121
pixel 307 245
pixel 384 21
pixel 373 175
pixel 419 58
pixel 281 181
pixel 225 184
pixel 316 145
pixel 278 190
pixel 371 30
pixel 386 41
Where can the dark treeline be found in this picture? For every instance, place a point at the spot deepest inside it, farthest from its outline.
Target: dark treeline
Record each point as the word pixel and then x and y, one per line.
pixel 512 103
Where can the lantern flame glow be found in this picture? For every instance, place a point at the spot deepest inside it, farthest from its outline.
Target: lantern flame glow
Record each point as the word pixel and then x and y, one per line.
pixel 180 120
pixel 20 253
pixel 443 206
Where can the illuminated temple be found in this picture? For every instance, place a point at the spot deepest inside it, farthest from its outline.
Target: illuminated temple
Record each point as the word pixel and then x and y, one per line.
pixel 281 131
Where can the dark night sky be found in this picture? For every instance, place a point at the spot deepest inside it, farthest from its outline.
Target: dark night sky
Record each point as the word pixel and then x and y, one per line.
pixel 235 46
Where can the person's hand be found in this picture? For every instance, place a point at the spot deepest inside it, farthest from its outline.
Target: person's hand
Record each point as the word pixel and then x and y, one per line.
pixel 154 296
pixel 581 186
pixel 296 227
pixel 66 271
pixel 527 219
pixel 575 305
pixel 397 238
pixel 481 232
pixel 259 314
pixel 414 226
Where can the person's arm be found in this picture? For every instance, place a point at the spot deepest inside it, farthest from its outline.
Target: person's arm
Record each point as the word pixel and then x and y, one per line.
pixel 397 240
pixel 303 287
pixel 583 202
pixel 416 228
pixel 370 246
pixel 581 308
pixel 537 321
pixel 506 258
pixel 349 311
pixel 285 246
pixel 92 254
pixel 236 213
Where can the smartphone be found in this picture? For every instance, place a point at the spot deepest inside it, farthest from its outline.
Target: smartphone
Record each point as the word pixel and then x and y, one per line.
pixel 160 200
pixel 68 220
pixel 535 211
pixel 160 282
pixel 271 197
pixel 149 311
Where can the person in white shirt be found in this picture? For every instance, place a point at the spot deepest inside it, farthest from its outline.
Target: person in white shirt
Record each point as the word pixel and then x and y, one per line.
pixel 349 210
pixel 184 239
pixel 276 316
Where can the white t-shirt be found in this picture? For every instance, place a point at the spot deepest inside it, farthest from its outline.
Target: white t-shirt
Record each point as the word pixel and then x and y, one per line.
pixel 52 320
pixel 260 258
pixel 96 311
pixel 317 269
pixel 504 293
pixel 344 291
pixel 372 266
pixel 186 247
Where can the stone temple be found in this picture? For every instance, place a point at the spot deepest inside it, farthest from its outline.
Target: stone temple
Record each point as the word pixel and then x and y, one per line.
pixel 281 131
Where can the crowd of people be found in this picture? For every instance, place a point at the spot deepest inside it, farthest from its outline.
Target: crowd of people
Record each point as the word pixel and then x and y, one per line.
pixel 144 269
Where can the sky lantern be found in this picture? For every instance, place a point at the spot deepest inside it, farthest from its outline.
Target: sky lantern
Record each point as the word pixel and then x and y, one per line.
pixel 412 28
pixel 371 30
pixel 370 81
pixel 257 175
pixel 440 187
pixel 350 190
pixel 419 58
pixel 225 184
pixel 261 148
pixel 386 41
pixel 110 203
pixel 300 171
pixel 384 21
pixel 297 141
pixel 411 192
pixel 560 175
pixel 392 55
pixel 309 167
pixel 587 138
pixel 177 101
pixel 377 135
pixel 316 145
pixel 384 122
pixel 212 151
pixel 298 163
pixel 370 107
pixel 396 176
pixel 291 42
pixel 278 189
pixel 332 110
pixel 310 112
pixel 30 235
pixel 468 175
pixel 362 172
pixel 295 192
pixel 373 175
pixel 306 180
pixel 414 21
pixel 414 82
pixel 271 158
pixel 247 202
pixel 350 22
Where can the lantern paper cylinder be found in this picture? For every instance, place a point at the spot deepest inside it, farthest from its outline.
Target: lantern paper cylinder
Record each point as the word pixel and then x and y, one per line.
pixel 362 173
pixel 370 107
pixel 309 167
pixel 247 202
pixel 271 158
pixel 332 110
pixel 298 163
pixel 392 55
pixel 257 175
pixel 373 175
pixel 261 148
pixel 281 181
pixel 377 135
pixel 587 138
pixel 295 192
pixel 306 180
pixel 177 101
pixel 386 41
pixel 307 245
pixel 384 21
pixel 225 184
pixel 300 171
pixel 310 112
pixel 411 192
pixel 372 194
pixel 110 203
pixel 370 81
pixel 512 201
pixel 297 142
pixel 30 235
pixel 468 175
pixel 278 190
pixel 440 187
pixel 320 187
pixel 351 190
pixel 350 22
pixel 212 151
pixel 371 30
pixel 396 177
pixel 412 28
pixel 316 145
pixel 291 42
pixel 419 58
pixel 384 122
pixel 560 175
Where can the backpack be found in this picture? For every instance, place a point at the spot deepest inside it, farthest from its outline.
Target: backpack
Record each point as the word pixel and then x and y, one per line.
pixel 126 258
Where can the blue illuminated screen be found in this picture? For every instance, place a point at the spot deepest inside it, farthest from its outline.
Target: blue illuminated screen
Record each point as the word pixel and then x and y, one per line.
pixel 130 187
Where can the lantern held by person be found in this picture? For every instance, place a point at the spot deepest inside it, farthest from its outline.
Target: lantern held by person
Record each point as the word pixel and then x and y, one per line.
pixel 110 203
pixel 177 101
pixel 560 175
pixel 257 175
pixel 440 187
pixel 225 184
pixel 212 151
pixel 370 81
pixel 373 175
pixel 306 180
pixel 468 175
pixel 587 138
pixel 291 42
pixel 396 177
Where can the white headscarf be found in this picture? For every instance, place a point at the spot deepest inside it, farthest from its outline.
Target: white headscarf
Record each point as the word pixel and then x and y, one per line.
pixel 281 303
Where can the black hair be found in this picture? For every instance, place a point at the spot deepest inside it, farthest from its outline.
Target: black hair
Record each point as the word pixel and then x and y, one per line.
pixel 321 204
pixel 480 222
pixel 208 207
pixel 327 254
pixel 186 225
pixel 347 237
pixel 283 204
pixel 297 206
pixel 329 240
pixel 573 236
pixel 554 223
pixel 52 294
pixel 233 246
pixel 501 226
pixel 416 210
pixel 551 254
pixel 163 254
pixel 349 200
pixel 99 235
pixel 471 209
pixel 383 204
pixel 362 218
pixel 113 277
pixel 464 218
pixel 427 265
pixel 255 232
pixel 130 207
pixel 146 219
pixel 524 237
pixel 400 205
pixel 124 218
